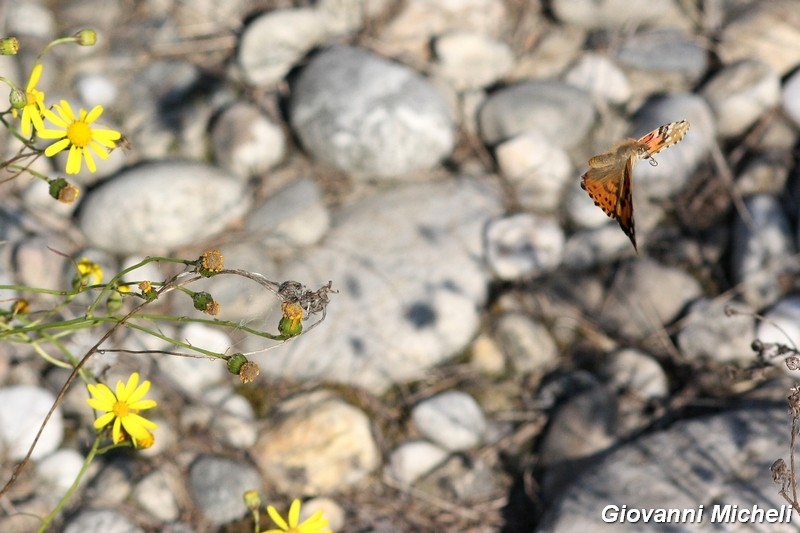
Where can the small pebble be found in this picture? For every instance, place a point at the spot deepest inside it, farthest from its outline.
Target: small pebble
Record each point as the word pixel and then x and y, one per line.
pixel 453 420
pixel 216 485
pixel 412 460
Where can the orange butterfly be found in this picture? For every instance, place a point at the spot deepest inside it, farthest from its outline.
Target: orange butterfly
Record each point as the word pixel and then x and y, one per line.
pixel 609 178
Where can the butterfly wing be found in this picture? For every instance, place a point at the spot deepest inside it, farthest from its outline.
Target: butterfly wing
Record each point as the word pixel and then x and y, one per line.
pixel 624 207
pixel 603 185
pixel 610 187
pixel 663 138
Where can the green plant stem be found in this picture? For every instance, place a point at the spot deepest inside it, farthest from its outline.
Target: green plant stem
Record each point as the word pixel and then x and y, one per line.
pixel 175 342
pixel 72 324
pixel 212 322
pixel 67 495
pixel 118 278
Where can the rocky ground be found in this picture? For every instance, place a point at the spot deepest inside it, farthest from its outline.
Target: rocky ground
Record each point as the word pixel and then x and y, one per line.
pixel 498 357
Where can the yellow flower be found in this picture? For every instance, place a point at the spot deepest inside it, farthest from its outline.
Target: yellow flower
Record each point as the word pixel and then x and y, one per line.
pixel 33 105
pixel 314 524
pixel 122 408
pixel 78 134
pixel 90 271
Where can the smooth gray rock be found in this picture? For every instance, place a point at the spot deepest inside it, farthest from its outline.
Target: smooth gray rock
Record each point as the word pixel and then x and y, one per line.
pixel 369 117
pixel 216 485
pixel 157 207
pixel 561 112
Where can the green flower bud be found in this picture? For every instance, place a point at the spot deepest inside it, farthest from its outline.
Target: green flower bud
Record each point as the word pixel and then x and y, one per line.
pixel 201 300
pixel 235 363
pixel 289 327
pixel 252 500
pixel 17 98
pixel 9 46
pixel 86 37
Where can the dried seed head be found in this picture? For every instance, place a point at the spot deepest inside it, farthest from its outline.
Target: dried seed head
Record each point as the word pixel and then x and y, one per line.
pixel 249 372
pixel 211 262
pixel 794 402
pixel 780 472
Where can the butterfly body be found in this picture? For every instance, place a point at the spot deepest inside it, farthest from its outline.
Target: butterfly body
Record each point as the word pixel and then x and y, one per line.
pixel 609 180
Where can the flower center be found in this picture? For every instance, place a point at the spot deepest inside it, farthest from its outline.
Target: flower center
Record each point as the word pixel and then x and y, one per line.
pixel 120 409
pixel 79 134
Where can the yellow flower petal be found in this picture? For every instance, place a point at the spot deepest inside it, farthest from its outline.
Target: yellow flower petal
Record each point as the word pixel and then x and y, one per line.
pixel 139 392
pixel 106 137
pixel 55 119
pixel 294 513
pixel 103 394
pixel 56 147
pixel 135 427
pixel 98 150
pixel 66 111
pixel 277 518
pixel 36 118
pixel 116 431
pixel 87 155
pixel 97 405
pixel 25 123
pixel 73 159
pixel 51 134
pixel 104 420
pixel 143 405
pixel 125 393
pixel 93 114
pixel 36 73
pixel 141 421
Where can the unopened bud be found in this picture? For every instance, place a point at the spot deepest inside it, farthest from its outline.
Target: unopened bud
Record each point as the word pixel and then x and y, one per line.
pixel 9 46
pixel 17 98
pixel 86 37
pixel 252 500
